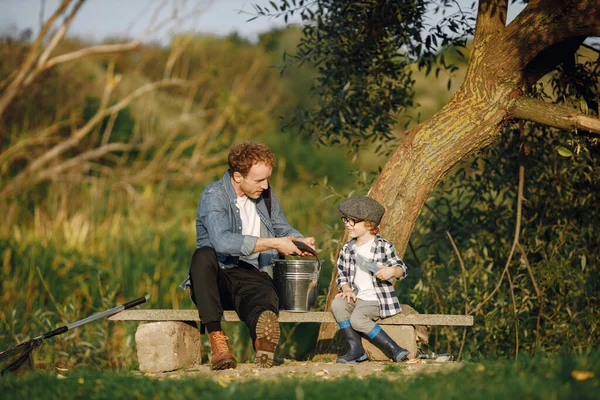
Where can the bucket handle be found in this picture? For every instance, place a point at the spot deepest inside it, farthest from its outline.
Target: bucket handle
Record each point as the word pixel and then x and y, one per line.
pixel 304 247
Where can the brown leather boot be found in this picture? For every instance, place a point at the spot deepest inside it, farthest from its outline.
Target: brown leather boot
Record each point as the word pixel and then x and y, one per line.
pixel 267 337
pixel 221 356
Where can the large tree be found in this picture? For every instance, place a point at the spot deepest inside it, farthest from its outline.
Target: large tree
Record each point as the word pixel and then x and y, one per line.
pixel 363 49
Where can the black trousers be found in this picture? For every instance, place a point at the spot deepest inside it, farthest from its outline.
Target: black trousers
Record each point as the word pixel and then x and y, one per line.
pixel 244 289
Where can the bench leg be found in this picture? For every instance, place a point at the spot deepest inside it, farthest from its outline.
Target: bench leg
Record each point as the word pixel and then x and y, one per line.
pixel 167 346
pixel 403 335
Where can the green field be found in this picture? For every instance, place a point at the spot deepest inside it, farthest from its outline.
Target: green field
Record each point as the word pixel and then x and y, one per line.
pixel 542 377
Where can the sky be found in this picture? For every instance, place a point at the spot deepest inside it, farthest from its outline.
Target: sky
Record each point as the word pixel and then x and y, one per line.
pixel 98 19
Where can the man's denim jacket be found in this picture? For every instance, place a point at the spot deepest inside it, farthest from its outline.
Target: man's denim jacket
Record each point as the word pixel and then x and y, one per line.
pixel 218 225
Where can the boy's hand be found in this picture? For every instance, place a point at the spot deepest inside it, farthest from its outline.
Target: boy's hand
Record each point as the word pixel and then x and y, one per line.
pixel 386 273
pixel 346 294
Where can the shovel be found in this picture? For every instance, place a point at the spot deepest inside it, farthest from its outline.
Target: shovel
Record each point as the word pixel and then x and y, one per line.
pixel 21 353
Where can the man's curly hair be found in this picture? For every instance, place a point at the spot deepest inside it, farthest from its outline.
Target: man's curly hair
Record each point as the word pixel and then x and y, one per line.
pixel 242 156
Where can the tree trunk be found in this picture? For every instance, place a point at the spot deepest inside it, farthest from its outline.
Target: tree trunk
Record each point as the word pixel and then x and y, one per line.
pixel 412 172
pixel 475 115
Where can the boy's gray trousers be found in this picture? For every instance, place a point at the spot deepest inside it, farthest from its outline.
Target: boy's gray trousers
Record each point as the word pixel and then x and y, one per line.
pixel 362 314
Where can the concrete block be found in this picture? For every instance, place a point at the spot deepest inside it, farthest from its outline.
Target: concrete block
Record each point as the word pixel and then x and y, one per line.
pixel 404 335
pixel 167 346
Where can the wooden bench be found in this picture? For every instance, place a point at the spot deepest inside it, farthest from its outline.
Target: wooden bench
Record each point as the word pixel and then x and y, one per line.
pixel 170 342
pixel 289 316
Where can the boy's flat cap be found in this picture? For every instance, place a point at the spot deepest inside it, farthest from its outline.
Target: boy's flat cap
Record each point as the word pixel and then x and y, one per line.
pixel 362 208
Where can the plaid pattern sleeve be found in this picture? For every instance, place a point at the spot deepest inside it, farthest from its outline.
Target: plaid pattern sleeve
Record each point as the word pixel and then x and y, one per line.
pixel 391 259
pixel 344 270
pixel 385 253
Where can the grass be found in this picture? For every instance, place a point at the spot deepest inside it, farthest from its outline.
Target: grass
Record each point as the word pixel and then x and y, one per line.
pixel 391 368
pixel 563 376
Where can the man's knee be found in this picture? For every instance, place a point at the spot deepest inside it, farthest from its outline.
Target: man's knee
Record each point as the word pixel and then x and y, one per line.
pixel 203 256
pixel 205 252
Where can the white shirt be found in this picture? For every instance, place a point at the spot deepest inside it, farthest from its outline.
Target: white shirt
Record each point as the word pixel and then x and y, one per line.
pixel 363 279
pixel 250 224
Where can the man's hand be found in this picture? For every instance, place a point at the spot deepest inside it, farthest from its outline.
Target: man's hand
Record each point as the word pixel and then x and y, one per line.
pixel 283 245
pixel 286 246
pixel 310 242
pixel 346 293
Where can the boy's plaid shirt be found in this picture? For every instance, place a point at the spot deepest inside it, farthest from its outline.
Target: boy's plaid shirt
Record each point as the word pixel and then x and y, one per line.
pixel 382 252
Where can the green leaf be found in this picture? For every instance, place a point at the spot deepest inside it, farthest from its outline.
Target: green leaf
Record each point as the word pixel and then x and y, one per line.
pixel 563 151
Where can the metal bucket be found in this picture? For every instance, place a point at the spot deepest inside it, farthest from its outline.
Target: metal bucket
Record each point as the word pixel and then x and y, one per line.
pixel 297 283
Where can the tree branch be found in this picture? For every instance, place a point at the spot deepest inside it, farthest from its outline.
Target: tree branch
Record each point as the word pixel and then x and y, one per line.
pixel 491 19
pixel 545 23
pixel 79 160
pixel 556 115
pixel 15 85
pixel 549 58
pixel 56 39
pixel 100 49
pixel 38 58
pixel 30 172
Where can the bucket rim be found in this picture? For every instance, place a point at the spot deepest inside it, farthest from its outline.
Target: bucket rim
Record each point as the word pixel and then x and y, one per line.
pixel 279 260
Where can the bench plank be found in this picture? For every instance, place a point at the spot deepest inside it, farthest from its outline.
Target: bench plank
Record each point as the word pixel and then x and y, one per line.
pixel 288 316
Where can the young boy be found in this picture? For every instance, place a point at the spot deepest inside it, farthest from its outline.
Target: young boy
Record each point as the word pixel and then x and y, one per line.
pixel 367 267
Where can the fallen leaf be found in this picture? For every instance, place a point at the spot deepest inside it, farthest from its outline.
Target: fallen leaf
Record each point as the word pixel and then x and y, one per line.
pixel 80 381
pixel 223 381
pixel 480 368
pixel 582 375
pixel 412 361
pixel 59 376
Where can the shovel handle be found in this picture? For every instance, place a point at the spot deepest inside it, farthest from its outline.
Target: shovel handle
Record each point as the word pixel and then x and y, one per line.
pixel 134 303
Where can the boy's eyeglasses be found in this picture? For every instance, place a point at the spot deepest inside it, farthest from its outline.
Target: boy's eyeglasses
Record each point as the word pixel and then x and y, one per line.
pixel 350 221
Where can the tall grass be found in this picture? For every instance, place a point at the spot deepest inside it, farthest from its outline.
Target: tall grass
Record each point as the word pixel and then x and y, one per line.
pixel 88 248
pixel 78 268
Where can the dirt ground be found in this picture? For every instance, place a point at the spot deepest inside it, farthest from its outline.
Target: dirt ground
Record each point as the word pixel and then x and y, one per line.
pixel 312 369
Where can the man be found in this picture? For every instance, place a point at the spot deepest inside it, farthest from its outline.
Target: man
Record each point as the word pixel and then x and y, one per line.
pixel 239 229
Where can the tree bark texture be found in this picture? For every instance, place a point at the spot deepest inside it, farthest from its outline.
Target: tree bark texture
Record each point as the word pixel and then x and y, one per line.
pixel 477 113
